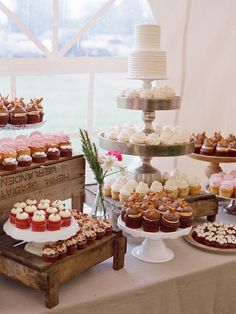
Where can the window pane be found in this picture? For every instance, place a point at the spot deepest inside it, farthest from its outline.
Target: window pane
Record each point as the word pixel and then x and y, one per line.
pixel 65 99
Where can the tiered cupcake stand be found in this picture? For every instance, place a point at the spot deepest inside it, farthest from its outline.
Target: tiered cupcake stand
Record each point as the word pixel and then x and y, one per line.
pixel 37 240
pixel 214 167
pixel 146 172
pixel 153 248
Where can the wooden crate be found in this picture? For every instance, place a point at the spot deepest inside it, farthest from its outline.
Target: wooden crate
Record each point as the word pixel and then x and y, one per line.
pixel 32 271
pixel 61 179
pixel 202 205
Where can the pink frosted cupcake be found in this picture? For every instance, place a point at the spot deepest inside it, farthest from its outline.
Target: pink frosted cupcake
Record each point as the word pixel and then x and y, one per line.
pixel 63 139
pixel 227 177
pixel 226 188
pixel 214 185
pixel 22 147
pixel 37 144
pixel 8 150
pixel 51 140
pixel 233 173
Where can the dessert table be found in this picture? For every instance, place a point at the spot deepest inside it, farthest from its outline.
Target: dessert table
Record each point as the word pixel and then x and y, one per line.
pixel 193 282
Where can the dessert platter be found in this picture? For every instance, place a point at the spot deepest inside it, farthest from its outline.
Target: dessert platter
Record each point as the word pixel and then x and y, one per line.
pixel 213 237
pixel 214 150
pixel 147 63
pixel 16 114
pixel 155 217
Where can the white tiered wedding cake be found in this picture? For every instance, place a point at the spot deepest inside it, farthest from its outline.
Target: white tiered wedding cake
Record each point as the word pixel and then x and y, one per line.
pixel 146 61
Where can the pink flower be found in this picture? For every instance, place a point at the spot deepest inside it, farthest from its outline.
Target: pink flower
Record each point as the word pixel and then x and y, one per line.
pixel 116 154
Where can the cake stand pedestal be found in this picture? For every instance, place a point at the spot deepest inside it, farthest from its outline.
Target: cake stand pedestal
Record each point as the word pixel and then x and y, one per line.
pixel 153 248
pixel 37 240
pixel 213 162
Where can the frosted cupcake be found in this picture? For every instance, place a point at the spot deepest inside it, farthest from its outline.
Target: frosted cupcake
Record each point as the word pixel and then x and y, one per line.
pixel 142 188
pixel 20 205
pixel 115 190
pixel 171 187
pixel 138 138
pixel 226 188
pixel 132 183
pixel 164 177
pixel 30 209
pixel 112 134
pixel 194 186
pixel 108 181
pixel 125 193
pixel 153 139
pixel 156 187
pixel 214 185
pixel 183 188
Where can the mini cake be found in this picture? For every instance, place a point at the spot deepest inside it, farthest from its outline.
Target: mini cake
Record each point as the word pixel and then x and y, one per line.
pixel 54 222
pixel 156 187
pixel 115 190
pixel 38 222
pixel 142 188
pixel 51 140
pixel 63 139
pixel 22 220
pixel 183 188
pixel 45 200
pixel 40 108
pixel 4 115
pixel 22 147
pixel 20 205
pixel 51 210
pixel 39 157
pixel 226 188
pixel 49 254
pixel 61 248
pixel 90 235
pixel 81 240
pixel 53 153
pixel 208 147
pixel 222 148
pixel 31 201
pixel 71 245
pixel 32 114
pixel 40 212
pixel 37 144
pixel 133 217
pixel 66 151
pixel 194 186
pixel 171 187
pixel 185 215
pixel 30 209
pixel 151 220
pixel 9 164
pixel 108 181
pixel 65 217
pixel 14 211
pixel 232 149
pixel 214 185
pixel 107 225
pixel 8 149
pixel 99 229
pixel 57 203
pixel 198 143
pixel 24 160
pixel 132 183
pixel 125 193
pixel 138 138
pixel 42 205
pixel 170 220
pixel 18 115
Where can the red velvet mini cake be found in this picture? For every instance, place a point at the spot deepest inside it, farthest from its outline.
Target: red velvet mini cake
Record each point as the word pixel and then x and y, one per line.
pixel 9 164
pixel 51 210
pixel 22 220
pixel 24 160
pixel 30 209
pixel 49 254
pixel 54 222
pixel 81 240
pixel 66 151
pixel 53 153
pixel 61 248
pixel 65 217
pixel 133 217
pixel 38 222
pixel 14 211
pixel 71 245
pixel 39 157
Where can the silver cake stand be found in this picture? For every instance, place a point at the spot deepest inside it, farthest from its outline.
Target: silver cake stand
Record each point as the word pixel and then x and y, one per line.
pixel 145 171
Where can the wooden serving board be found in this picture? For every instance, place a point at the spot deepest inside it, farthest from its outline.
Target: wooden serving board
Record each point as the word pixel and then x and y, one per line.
pixel 32 271
pixel 60 179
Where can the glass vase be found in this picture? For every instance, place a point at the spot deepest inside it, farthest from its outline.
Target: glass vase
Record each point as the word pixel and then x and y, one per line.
pixel 99 208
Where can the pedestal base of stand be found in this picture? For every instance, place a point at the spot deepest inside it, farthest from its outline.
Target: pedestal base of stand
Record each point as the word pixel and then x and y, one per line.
pixel 153 251
pixel 230 208
pixel 35 248
pixel 144 172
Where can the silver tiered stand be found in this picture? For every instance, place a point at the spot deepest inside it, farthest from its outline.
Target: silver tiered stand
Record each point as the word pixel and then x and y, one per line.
pixel 146 172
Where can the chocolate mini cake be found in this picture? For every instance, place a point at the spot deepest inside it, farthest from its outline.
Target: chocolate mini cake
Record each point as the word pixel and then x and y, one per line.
pixel 151 220
pixel 4 115
pixel 222 148
pixel 39 157
pixel 9 164
pixel 65 151
pixel 133 217
pixel 24 160
pixel 53 153
pixel 232 149
pixel 170 220
pixel 18 115
pixel 33 114
pixel 208 147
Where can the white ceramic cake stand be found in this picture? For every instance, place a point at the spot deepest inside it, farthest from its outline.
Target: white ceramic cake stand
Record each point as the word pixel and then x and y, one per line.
pixel 37 240
pixel 153 248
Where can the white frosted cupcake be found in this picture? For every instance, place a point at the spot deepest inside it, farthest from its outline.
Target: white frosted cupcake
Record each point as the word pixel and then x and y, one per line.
pixel 108 181
pixel 115 190
pixel 39 212
pixel 51 210
pixel 57 203
pixel 183 188
pixel 156 187
pixel 146 93
pixel 31 201
pixel 194 186
pixel 30 209
pixel 153 139
pixel 43 206
pixel 142 188
pixel 112 134
pixel 138 138
pixel 164 177
pixel 171 187
pixel 125 193
pixel 132 93
pixel 20 205
pixel 132 183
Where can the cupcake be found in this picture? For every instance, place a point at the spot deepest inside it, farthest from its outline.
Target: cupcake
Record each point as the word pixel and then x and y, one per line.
pixel 4 115
pixel 108 181
pixel 194 186
pixel 24 160
pixel 198 143
pixel 171 187
pixel 45 200
pixel 63 139
pixel 170 221
pixel 107 225
pixel 20 205
pixel 214 185
pixel 54 222
pixel 18 115
pixel 61 248
pixel 151 220
pixel 125 193
pixel 38 102
pixel 50 254
pixel 208 147
pixel 22 147
pixel 14 211
pixel 153 139
pixel 164 177
pixel 66 151
pixel 51 140
pixel 8 149
pixel 185 215
pixel 32 114
pixel 57 203
pixel 42 205
pixel 100 230
pixel 39 157
pixel 51 210
pixel 30 209
pixel 90 235
pixel 9 164
pixel 138 138
pixel 71 245
pixel 31 201
pixel 183 188
pixel 65 217
pixel 37 144
pixel 133 217
pixel 40 212
pixel 22 220
pixel 38 222
pixel 132 183
pixel 115 190
pixel 53 153
pixel 81 240
pixel 222 148
pixel 142 188
pixel 226 188
pixel 156 187
pixel 232 149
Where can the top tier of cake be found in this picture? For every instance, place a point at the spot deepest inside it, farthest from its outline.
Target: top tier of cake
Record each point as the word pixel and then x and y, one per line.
pixel 146 61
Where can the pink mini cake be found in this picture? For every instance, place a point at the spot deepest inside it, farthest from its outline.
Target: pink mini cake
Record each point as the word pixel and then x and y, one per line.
pixel 63 139
pixel 65 217
pixel 14 211
pixel 227 188
pixel 54 222
pixel 214 185
pixel 22 147
pixel 51 140
pixel 38 222
pixel 37 144
pixel 22 220
pixel 30 209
